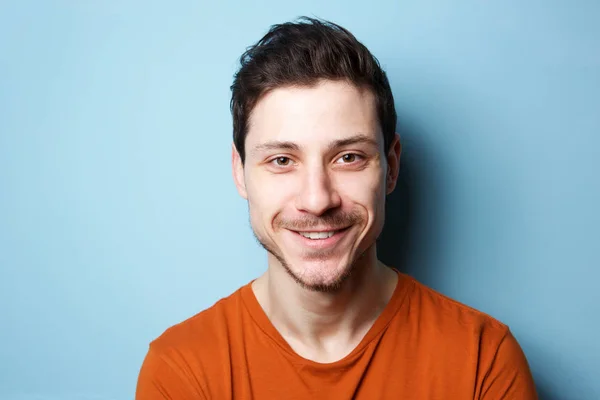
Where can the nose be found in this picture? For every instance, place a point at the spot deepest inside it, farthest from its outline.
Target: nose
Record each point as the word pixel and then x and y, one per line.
pixel 317 194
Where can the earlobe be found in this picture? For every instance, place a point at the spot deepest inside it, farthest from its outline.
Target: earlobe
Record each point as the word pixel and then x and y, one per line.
pixel 237 168
pixel 391 181
pixel 393 159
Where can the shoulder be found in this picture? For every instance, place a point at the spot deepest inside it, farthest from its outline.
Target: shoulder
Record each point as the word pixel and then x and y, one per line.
pixel 187 358
pixel 455 331
pixel 203 330
pixel 440 311
pixel 445 326
pixel 202 344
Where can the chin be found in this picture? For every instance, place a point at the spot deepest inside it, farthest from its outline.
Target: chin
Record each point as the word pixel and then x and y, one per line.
pixel 318 270
pixel 326 276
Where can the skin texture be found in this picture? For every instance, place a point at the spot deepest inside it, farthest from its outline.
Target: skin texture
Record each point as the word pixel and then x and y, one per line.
pixel 315 161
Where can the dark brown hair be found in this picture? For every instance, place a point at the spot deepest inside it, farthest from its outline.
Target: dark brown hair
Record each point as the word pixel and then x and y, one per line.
pixel 301 53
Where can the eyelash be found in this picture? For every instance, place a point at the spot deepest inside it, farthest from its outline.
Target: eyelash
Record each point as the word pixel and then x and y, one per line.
pixel 351 154
pixel 274 160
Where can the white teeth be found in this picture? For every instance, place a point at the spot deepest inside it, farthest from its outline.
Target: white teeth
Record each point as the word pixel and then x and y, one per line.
pixel 317 235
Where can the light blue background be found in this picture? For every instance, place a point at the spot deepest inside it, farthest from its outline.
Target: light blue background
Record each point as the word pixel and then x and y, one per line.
pixel 119 218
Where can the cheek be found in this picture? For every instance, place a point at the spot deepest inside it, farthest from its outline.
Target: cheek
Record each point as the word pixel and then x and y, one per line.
pixel 365 190
pixel 268 195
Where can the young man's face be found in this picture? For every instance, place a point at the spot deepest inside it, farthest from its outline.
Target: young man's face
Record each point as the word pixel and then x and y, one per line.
pixel 316 177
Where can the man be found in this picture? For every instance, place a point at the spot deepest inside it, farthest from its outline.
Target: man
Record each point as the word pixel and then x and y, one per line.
pixel 315 153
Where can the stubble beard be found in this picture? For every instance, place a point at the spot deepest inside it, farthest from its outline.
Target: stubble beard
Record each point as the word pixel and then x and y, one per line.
pixel 321 287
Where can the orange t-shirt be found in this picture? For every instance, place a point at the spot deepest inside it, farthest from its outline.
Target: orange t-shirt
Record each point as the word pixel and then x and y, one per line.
pixel 423 346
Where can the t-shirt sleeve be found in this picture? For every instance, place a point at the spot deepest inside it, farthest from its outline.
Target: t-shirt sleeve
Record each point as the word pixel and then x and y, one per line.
pixel 509 376
pixel 162 379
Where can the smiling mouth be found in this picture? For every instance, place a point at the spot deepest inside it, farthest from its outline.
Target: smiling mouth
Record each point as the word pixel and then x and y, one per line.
pixel 320 235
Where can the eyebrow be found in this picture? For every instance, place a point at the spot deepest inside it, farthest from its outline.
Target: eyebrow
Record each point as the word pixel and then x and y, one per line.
pixel 356 139
pixel 283 145
pixel 276 145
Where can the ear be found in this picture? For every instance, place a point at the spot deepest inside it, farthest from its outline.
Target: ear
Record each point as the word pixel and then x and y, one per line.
pixel 393 162
pixel 237 168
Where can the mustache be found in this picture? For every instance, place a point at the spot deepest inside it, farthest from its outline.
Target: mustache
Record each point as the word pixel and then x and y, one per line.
pixel 337 219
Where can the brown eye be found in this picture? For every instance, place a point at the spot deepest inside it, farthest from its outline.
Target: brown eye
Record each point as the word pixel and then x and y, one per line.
pixel 348 158
pixel 282 161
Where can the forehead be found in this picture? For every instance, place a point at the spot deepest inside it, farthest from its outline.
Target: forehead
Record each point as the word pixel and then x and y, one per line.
pixel 309 116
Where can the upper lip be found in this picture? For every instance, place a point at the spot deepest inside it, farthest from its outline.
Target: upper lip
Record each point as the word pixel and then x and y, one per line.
pixel 320 229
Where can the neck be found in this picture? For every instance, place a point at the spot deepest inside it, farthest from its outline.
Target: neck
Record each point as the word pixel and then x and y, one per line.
pixel 326 326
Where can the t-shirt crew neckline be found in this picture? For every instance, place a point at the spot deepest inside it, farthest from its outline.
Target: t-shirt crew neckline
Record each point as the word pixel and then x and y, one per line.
pixel 403 287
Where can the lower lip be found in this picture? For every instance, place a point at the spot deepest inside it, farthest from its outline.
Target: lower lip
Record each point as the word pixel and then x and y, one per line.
pixel 321 243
